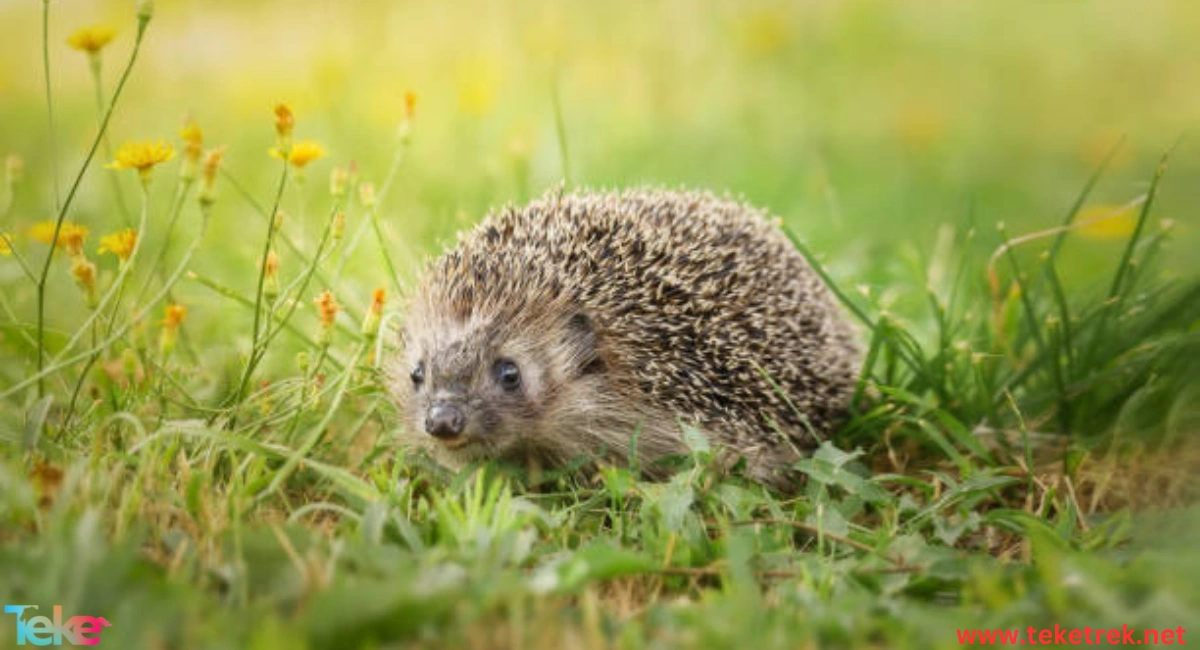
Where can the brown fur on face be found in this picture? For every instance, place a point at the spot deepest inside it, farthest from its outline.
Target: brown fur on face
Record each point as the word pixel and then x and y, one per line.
pixel 626 314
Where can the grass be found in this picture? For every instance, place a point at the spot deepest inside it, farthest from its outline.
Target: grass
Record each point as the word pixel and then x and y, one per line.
pixel 195 443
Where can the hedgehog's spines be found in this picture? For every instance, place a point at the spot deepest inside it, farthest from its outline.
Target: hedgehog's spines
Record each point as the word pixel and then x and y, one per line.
pixel 688 294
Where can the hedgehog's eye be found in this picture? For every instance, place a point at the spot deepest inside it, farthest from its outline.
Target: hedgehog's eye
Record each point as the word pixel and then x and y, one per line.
pixel 418 375
pixel 508 375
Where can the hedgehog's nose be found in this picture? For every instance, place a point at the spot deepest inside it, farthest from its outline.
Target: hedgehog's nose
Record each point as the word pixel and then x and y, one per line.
pixel 444 421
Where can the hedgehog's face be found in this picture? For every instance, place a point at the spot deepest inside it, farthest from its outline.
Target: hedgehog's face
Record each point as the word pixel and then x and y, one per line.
pixel 480 389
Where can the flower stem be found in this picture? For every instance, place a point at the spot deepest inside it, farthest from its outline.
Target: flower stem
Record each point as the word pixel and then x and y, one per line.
pixel 383 248
pixel 98 85
pixel 258 296
pixel 66 204
pixel 398 158
pixel 179 196
pixel 49 101
pixel 259 351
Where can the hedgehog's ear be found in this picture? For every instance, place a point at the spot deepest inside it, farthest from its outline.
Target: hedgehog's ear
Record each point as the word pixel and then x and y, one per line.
pixel 581 340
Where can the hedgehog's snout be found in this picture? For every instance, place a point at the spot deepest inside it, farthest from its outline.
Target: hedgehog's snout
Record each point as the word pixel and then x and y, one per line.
pixel 445 421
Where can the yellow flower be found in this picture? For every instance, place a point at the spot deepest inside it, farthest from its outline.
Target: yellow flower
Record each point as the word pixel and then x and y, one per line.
pixel 478 84
pixel 212 163
pixel 120 243
pixel 91 39
pixel 410 104
pixel 1107 221
pixel 191 134
pixel 70 235
pixel 142 156
pixel 174 316
pixel 170 328
pixel 208 174
pixel 85 276
pixel 764 32
pixel 284 122
pixel 410 111
pixel 300 154
pixel 5 243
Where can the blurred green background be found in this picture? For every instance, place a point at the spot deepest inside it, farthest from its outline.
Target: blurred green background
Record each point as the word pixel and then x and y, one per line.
pixel 873 128
pixel 859 121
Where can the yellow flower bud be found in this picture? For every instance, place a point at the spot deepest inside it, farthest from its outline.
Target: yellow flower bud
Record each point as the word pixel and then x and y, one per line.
pixel 193 139
pixel 271 276
pixel 327 311
pixel 284 123
pixel 145 11
pixel 173 318
pixel 208 175
pixel 370 326
pixel 84 272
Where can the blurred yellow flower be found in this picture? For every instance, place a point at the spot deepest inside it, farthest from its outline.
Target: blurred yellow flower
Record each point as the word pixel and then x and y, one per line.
pixel 478 81
pixel 84 272
pixel 5 243
pixel 327 308
pixel 142 156
pixel 208 174
pixel 404 130
pixel 765 32
pixel 70 235
pixel 272 266
pixel 919 123
pixel 271 276
pixel 327 311
pixel 410 104
pixel 170 328
pixel 191 133
pixel 1104 221
pixel 120 243
pixel 91 39
pixel 193 148
pixel 193 137
pixel 370 326
pixel 174 316
pixel 300 154
pixel 284 122
pixel 212 162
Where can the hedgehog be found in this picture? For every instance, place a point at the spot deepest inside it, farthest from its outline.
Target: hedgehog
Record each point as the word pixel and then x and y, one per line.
pixel 609 326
